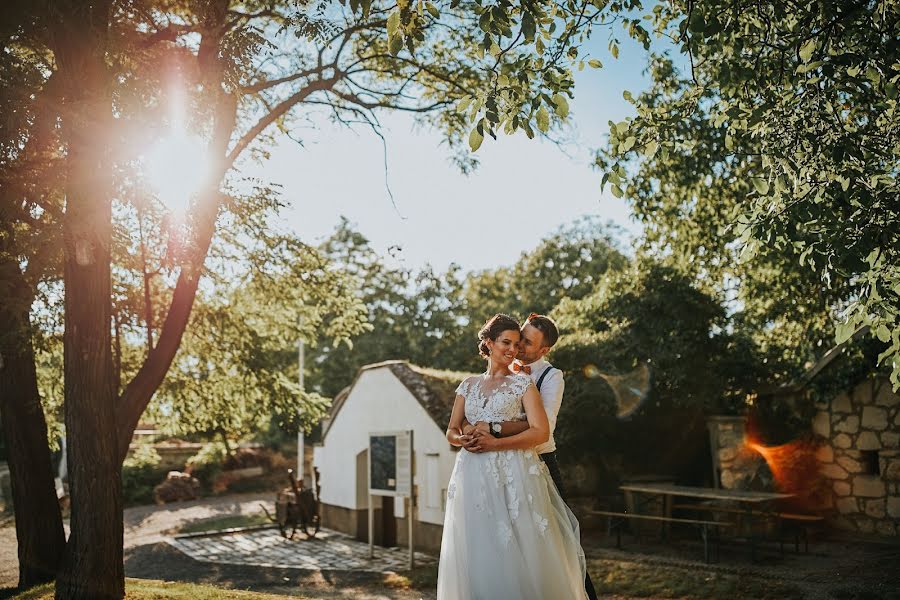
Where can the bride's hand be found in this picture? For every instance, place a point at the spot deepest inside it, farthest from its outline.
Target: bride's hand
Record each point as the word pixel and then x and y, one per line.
pixel 482 442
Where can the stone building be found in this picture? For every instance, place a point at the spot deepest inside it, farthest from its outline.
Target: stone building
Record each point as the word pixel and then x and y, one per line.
pixel 860 456
pixel 855 455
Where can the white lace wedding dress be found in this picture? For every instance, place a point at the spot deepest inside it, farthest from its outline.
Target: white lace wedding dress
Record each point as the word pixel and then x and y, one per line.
pixel 507 532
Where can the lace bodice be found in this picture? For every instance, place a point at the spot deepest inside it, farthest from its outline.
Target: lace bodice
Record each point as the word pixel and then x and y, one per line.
pixel 502 404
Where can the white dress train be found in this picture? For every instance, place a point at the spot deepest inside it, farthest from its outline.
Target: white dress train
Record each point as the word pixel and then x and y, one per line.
pixel 508 535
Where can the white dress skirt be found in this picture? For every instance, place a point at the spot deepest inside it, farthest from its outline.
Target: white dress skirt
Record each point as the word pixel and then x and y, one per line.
pixel 507 532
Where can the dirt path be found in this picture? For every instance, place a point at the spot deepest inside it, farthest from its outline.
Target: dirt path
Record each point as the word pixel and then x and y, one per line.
pixel 147 556
pixel 143 525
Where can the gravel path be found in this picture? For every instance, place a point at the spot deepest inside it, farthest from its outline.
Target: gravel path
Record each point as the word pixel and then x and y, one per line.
pixel 151 524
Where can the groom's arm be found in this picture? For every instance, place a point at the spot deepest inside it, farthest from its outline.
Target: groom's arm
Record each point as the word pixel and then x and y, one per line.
pixel 507 428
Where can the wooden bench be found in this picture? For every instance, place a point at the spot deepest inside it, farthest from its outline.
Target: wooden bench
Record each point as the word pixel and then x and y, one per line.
pixel 617 519
pixel 801 522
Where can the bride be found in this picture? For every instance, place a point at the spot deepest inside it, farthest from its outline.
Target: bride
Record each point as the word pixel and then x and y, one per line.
pixel 507 532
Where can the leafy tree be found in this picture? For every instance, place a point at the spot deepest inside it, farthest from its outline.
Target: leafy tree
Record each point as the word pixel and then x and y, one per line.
pixel 249 66
pixel 29 253
pixel 653 315
pixel 412 316
pixel 802 100
pixel 685 198
pixel 567 264
pixel 237 367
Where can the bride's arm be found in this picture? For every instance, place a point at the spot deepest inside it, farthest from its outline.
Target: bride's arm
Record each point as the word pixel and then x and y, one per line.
pixel 537 433
pixel 454 428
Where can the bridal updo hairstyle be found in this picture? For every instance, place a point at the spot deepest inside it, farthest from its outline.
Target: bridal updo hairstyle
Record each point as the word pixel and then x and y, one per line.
pixel 492 330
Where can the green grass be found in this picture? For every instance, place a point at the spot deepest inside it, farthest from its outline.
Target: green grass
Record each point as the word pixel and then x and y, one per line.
pixel 646 580
pixel 227 522
pixel 149 589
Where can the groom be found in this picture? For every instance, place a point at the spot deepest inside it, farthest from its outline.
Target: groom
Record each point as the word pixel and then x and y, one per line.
pixel 539 334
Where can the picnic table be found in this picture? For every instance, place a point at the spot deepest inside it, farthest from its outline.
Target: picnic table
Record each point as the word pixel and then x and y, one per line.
pixel 748 505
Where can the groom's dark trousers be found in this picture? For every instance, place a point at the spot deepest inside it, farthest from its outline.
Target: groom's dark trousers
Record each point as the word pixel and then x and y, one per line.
pixel 549 459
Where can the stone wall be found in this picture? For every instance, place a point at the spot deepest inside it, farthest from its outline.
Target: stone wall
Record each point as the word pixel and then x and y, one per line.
pixel 735 467
pixel 852 427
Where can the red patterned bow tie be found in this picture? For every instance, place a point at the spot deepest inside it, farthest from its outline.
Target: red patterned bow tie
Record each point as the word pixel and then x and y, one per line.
pixel 523 368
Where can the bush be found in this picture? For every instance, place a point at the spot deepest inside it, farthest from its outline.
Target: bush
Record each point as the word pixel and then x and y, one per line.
pixel 177 487
pixel 244 458
pixel 207 464
pixel 141 471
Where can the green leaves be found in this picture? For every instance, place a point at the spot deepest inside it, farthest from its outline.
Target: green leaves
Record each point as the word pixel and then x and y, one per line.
pixel 395 37
pixel 543 119
pixel 562 105
pixel 393 23
pixel 807 49
pixel 475 139
pixel 760 185
pixel 804 116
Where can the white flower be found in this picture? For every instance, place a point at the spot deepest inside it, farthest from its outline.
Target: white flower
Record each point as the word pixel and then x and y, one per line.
pixel 504 532
pixel 540 521
pixel 513 506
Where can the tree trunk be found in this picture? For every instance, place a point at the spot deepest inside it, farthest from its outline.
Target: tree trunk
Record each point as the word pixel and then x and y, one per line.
pixel 39 527
pixel 93 563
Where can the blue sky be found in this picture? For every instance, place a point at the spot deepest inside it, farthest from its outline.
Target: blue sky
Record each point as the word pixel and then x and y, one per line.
pixel 441 216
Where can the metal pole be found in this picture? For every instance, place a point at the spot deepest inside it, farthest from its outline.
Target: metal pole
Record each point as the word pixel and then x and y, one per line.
pixel 369 496
pixel 300 439
pixel 410 514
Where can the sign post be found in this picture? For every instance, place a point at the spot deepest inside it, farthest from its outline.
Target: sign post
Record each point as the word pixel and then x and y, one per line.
pixel 391 473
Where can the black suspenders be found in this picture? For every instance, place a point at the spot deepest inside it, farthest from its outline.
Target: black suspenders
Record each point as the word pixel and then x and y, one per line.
pixel 541 378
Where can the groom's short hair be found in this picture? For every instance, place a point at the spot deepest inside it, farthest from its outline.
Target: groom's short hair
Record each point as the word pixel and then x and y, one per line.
pixel 546 326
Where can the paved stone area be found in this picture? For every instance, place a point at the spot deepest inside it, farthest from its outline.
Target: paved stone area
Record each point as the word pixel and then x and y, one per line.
pixel 328 551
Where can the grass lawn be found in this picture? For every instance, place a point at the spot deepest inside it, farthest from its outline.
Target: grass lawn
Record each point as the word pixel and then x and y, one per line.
pixel 639 580
pixel 226 522
pixel 148 589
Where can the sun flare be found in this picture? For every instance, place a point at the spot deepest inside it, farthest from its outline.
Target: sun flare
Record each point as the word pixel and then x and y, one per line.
pixel 175 167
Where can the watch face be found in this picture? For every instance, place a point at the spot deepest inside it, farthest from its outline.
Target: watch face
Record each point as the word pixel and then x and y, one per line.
pixel 496 427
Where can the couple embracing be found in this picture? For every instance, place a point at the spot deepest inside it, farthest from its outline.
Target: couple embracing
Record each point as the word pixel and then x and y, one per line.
pixel 508 534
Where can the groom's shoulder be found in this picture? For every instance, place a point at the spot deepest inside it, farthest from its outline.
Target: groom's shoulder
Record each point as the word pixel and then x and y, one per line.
pixel 554 372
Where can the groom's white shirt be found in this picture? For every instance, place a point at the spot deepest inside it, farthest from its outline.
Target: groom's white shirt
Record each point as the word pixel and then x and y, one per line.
pixel 551 395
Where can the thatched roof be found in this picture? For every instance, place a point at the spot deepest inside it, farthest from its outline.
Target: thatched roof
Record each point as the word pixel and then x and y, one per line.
pixel 435 390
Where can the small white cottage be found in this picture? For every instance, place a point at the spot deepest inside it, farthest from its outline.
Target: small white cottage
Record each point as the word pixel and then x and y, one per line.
pixel 388 396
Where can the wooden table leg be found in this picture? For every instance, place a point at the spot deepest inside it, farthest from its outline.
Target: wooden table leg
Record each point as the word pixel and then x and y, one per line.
pixel 667 513
pixel 751 533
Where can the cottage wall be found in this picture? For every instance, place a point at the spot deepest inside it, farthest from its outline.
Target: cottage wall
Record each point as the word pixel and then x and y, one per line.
pixel 378 401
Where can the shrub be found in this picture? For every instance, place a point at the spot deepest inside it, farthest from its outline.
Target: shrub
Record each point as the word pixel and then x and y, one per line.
pixel 141 471
pixel 207 464
pixel 244 458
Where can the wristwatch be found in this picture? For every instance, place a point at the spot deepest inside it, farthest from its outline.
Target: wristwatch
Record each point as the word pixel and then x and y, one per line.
pixel 496 429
